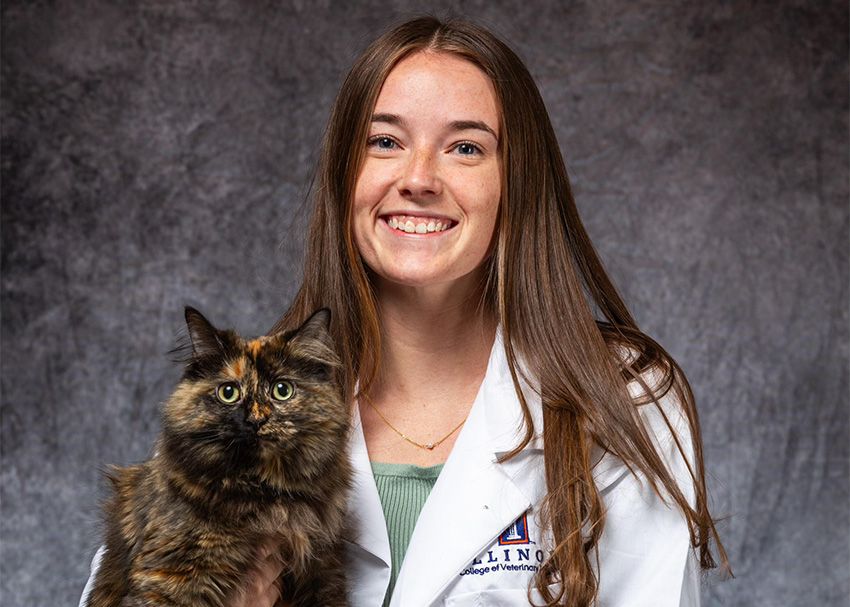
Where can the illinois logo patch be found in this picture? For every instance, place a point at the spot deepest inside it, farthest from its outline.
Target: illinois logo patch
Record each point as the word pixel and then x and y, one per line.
pixel 516 533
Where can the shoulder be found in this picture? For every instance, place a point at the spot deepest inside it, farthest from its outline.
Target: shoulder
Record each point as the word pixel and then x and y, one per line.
pixel 658 390
pixel 664 406
pixel 663 401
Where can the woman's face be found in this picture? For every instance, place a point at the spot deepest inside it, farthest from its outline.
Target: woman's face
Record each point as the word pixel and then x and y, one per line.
pixel 427 196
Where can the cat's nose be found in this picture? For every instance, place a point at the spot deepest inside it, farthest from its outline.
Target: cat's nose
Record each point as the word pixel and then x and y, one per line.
pixel 255 417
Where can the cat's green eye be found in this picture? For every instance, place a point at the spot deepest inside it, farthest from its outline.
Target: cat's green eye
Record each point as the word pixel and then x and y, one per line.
pixel 228 393
pixel 283 390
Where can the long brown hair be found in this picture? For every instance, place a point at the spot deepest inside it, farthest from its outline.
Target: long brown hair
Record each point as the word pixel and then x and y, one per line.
pixel 559 312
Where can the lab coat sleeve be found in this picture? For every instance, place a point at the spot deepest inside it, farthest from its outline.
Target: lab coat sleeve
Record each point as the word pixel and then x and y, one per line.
pixel 95 565
pixel 645 554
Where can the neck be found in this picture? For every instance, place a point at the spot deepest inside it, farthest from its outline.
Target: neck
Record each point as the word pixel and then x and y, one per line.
pixel 435 339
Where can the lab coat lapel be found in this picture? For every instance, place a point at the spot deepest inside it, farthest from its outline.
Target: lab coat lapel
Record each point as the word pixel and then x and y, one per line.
pixel 475 498
pixel 368 527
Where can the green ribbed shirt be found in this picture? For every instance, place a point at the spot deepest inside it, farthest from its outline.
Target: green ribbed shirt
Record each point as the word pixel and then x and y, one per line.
pixel 403 489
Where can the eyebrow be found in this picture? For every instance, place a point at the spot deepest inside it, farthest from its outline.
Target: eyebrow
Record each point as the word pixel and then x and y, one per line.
pixel 457 125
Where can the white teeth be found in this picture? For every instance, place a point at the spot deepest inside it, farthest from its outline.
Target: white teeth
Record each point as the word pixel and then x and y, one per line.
pixel 422 227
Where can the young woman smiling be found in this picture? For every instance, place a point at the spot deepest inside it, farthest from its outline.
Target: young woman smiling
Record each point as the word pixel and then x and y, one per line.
pixel 482 334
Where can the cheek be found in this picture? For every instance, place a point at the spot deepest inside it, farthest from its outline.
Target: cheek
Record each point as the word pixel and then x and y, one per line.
pixel 488 213
pixel 489 233
pixel 488 203
pixel 362 222
pixel 361 204
pixel 367 188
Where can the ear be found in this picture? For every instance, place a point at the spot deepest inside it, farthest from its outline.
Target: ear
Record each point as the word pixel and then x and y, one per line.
pixel 204 336
pixel 317 327
pixel 315 337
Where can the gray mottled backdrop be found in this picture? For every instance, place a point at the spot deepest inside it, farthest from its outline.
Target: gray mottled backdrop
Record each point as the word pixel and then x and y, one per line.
pixel 156 152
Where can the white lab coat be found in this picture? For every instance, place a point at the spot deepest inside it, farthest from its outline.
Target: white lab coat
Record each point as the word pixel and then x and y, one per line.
pixel 478 540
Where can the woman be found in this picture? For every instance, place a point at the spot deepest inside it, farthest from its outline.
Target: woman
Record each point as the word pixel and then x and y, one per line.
pixel 487 352
pixel 583 430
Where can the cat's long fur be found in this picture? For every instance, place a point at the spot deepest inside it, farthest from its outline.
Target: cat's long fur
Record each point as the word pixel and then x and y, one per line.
pixel 183 527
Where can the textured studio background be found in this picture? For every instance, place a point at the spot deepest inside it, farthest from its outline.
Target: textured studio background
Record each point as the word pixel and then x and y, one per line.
pixel 156 153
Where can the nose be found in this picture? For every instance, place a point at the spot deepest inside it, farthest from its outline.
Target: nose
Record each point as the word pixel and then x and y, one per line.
pixel 255 417
pixel 420 177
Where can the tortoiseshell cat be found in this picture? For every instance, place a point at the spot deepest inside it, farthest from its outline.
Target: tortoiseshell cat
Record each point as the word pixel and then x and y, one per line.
pixel 252 448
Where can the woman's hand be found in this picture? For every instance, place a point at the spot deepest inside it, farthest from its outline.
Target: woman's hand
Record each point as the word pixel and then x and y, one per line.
pixel 261 588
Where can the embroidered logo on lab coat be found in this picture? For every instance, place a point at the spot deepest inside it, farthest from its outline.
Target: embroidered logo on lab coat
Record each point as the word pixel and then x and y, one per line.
pixel 513 558
pixel 516 533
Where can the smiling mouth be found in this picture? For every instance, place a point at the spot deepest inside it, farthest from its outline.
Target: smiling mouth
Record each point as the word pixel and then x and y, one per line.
pixel 418 225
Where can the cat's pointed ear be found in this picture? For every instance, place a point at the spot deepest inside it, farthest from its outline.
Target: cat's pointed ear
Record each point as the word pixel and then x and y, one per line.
pixel 317 327
pixel 203 335
pixel 315 338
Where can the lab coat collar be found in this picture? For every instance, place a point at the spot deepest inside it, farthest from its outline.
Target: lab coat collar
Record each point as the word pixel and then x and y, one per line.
pixel 504 419
pixel 505 423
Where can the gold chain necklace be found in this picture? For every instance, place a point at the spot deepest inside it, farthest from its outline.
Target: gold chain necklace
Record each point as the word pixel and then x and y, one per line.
pixel 428 446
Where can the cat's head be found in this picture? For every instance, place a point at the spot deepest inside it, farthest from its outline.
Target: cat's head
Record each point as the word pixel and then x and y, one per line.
pixel 268 407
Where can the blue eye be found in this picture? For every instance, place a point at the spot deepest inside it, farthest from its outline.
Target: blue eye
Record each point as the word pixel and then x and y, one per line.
pixel 382 143
pixel 467 149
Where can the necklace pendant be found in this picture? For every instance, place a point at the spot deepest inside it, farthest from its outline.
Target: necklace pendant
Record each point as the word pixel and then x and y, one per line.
pixel 429 446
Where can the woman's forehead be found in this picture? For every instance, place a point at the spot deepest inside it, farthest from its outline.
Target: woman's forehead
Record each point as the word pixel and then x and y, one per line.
pixel 438 86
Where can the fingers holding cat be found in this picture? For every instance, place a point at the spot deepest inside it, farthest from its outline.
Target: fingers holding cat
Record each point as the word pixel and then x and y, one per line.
pixel 261 587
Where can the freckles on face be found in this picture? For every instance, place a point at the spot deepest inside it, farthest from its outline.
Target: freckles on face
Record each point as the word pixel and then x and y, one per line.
pixel 427 196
